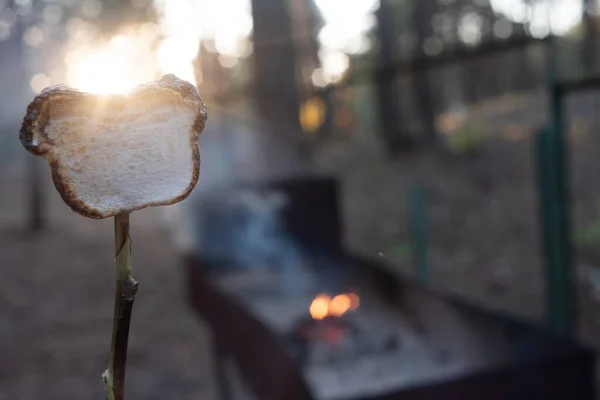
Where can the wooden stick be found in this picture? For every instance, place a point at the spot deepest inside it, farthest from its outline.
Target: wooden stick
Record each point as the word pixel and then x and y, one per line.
pixel 126 288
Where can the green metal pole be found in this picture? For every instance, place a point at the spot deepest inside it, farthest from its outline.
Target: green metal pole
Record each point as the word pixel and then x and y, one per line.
pixel 420 231
pixel 560 291
pixel 546 176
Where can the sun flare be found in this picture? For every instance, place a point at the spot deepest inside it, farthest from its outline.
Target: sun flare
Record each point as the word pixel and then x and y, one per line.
pixel 114 65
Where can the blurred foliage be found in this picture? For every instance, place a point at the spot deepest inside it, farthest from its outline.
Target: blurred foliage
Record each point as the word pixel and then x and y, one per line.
pixel 400 252
pixel 467 140
pixel 588 235
pixel 365 108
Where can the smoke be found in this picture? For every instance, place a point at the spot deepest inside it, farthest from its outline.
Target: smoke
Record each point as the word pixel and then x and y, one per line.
pixel 231 218
pixel 227 217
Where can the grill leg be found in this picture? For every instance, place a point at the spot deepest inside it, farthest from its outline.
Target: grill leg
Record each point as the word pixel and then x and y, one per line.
pixel 221 375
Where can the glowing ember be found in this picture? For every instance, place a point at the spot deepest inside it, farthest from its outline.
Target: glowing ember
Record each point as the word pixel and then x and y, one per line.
pixel 323 306
pixel 339 305
pixel 319 308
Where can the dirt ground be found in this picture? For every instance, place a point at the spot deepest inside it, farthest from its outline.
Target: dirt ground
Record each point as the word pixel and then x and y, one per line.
pixel 56 301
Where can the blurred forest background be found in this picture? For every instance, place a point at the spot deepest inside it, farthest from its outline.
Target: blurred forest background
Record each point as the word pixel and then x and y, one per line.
pixel 383 94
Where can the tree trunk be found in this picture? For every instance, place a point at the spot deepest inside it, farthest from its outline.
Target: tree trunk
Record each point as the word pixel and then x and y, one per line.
pixel 390 113
pixel 275 78
pixel 423 12
pixel 590 38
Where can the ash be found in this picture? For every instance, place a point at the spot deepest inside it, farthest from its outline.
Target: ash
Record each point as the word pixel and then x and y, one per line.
pixel 370 374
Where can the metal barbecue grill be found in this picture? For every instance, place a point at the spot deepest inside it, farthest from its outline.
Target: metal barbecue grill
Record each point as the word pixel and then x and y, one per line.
pixel 288 329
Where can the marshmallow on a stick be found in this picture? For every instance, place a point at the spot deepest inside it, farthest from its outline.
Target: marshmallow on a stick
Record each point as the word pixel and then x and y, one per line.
pixel 111 154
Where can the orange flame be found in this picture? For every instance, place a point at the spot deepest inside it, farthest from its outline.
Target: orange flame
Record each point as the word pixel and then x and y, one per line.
pixel 339 305
pixel 319 308
pixel 323 306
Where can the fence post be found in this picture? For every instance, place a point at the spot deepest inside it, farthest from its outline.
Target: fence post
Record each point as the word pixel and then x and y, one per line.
pixel 552 165
pixel 546 176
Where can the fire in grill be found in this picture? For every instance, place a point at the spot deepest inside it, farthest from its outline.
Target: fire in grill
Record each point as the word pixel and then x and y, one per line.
pixel 329 333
